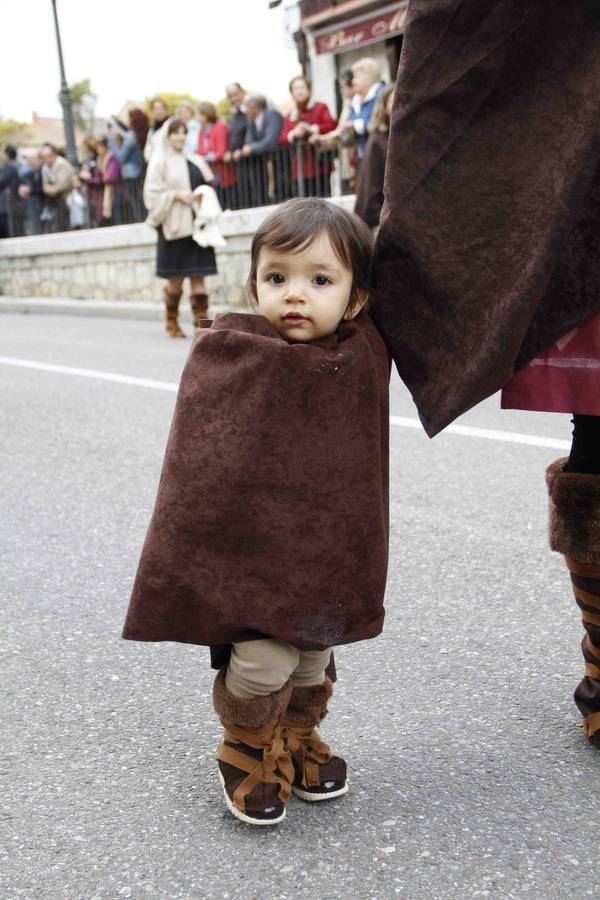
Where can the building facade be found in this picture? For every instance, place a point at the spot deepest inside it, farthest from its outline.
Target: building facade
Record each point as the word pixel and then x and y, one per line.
pixel 332 36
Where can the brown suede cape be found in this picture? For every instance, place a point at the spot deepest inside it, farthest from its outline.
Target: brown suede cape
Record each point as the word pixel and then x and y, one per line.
pixel 489 248
pixel 271 517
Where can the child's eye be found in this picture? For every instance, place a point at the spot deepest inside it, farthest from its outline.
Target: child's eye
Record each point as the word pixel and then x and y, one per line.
pixel 275 278
pixel 322 280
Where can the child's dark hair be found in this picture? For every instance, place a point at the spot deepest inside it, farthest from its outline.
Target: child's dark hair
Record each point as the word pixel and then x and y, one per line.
pixel 296 223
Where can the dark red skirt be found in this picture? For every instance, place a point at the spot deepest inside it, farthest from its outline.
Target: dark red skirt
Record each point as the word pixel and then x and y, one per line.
pixel 566 378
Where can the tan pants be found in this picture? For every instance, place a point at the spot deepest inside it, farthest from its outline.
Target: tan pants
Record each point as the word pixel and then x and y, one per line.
pixel 262 667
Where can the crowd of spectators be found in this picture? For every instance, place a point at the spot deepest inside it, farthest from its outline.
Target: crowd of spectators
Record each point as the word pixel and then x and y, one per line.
pixel 256 154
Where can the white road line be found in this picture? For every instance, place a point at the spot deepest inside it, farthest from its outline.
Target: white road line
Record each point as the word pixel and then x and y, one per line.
pixel 90 373
pixel 490 434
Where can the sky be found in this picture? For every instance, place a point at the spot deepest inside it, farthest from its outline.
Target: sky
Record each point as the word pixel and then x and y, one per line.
pixel 132 49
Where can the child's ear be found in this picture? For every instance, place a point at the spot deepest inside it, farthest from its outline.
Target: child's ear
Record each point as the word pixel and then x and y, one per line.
pixel 358 303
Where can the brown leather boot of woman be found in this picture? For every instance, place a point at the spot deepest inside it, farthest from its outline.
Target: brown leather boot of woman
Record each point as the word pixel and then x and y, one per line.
pixel 255 769
pixel 172 315
pixel 199 305
pixel 575 532
pixel 317 774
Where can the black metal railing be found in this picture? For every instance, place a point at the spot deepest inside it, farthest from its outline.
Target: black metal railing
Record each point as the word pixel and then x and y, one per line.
pixel 82 206
pixel 297 170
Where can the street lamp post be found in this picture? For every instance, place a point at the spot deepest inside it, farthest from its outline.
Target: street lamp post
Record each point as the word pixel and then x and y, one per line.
pixel 65 99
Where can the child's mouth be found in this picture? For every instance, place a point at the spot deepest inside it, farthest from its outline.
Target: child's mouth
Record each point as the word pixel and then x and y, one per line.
pixel 295 317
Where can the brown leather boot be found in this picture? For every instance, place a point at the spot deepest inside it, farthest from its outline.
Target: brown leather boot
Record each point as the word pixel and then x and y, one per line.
pixel 199 304
pixel 317 774
pixel 575 532
pixel 172 315
pixel 254 767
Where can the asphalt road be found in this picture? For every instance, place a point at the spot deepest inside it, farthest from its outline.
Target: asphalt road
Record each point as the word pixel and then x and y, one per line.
pixel 469 773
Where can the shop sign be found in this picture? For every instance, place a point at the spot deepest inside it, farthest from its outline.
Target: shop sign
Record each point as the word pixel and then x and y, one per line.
pixel 375 29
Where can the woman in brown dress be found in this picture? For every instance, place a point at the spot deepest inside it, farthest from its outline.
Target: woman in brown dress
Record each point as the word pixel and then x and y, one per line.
pixel 488 259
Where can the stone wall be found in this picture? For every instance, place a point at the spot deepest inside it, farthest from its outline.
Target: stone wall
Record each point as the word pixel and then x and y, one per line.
pixel 117 263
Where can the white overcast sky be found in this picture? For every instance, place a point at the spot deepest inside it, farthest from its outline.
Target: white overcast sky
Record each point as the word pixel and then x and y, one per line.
pixel 131 49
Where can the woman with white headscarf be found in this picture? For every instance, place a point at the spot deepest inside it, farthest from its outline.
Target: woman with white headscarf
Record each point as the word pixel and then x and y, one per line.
pixel 172 194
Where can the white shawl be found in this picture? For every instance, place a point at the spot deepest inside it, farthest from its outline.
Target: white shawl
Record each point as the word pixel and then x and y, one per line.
pixel 167 174
pixel 207 209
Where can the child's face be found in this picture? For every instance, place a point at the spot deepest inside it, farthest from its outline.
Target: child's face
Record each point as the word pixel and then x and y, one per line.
pixel 304 295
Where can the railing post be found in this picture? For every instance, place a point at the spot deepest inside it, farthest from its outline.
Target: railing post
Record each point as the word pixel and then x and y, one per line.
pixel 299 145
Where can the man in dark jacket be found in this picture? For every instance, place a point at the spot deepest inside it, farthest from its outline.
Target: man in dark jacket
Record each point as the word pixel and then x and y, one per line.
pixel 262 139
pixel 238 124
pixel 238 121
pixel 9 186
pixel 32 193
pixel 264 126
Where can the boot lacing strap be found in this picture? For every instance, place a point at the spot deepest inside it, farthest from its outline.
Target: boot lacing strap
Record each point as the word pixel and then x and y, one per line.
pixel 591 724
pixel 589 604
pixel 308 749
pixel 275 767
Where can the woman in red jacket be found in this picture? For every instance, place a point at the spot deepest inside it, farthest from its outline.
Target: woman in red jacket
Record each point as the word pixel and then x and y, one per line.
pixel 305 122
pixel 213 145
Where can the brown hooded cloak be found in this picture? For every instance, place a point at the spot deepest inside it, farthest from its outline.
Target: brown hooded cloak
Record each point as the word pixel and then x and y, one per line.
pixel 272 511
pixel 489 248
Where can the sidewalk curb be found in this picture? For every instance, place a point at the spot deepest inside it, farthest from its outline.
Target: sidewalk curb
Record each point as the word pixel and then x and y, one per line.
pixel 113 309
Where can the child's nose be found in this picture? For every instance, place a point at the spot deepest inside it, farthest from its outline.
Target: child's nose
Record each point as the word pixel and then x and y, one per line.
pixel 295 293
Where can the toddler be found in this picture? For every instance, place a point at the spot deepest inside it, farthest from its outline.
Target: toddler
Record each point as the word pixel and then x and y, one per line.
pixel 269 536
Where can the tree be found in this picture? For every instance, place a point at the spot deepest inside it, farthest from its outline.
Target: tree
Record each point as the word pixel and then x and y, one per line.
pixel 224 109
pixel 83 104
pixel 12 132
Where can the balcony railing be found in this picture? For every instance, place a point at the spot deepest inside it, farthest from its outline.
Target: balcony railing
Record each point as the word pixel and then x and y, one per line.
pixel 297 170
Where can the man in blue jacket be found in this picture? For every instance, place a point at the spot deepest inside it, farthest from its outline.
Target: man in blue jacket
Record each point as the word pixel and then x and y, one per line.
pixel 262 139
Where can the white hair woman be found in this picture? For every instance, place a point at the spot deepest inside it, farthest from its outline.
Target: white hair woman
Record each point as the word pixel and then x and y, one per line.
pixel 367 84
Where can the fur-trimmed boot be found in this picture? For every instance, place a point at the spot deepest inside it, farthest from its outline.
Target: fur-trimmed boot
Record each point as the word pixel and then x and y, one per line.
pixel 199 305
pixel 255 769
pixel 575 532
pixel 317 774
pixel 172 315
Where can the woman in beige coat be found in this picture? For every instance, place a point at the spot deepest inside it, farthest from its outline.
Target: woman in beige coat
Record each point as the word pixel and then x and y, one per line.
pixel 172 197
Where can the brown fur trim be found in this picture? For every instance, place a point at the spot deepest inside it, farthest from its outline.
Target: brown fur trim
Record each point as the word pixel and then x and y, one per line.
pixel 199 305
pixel 199 301
pixel 256 712
pixel 308 705
pixel 172 300
pixel 574 523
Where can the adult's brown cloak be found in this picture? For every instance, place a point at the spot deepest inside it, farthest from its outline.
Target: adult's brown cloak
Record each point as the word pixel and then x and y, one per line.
pixel 272 511
pixel 489 248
